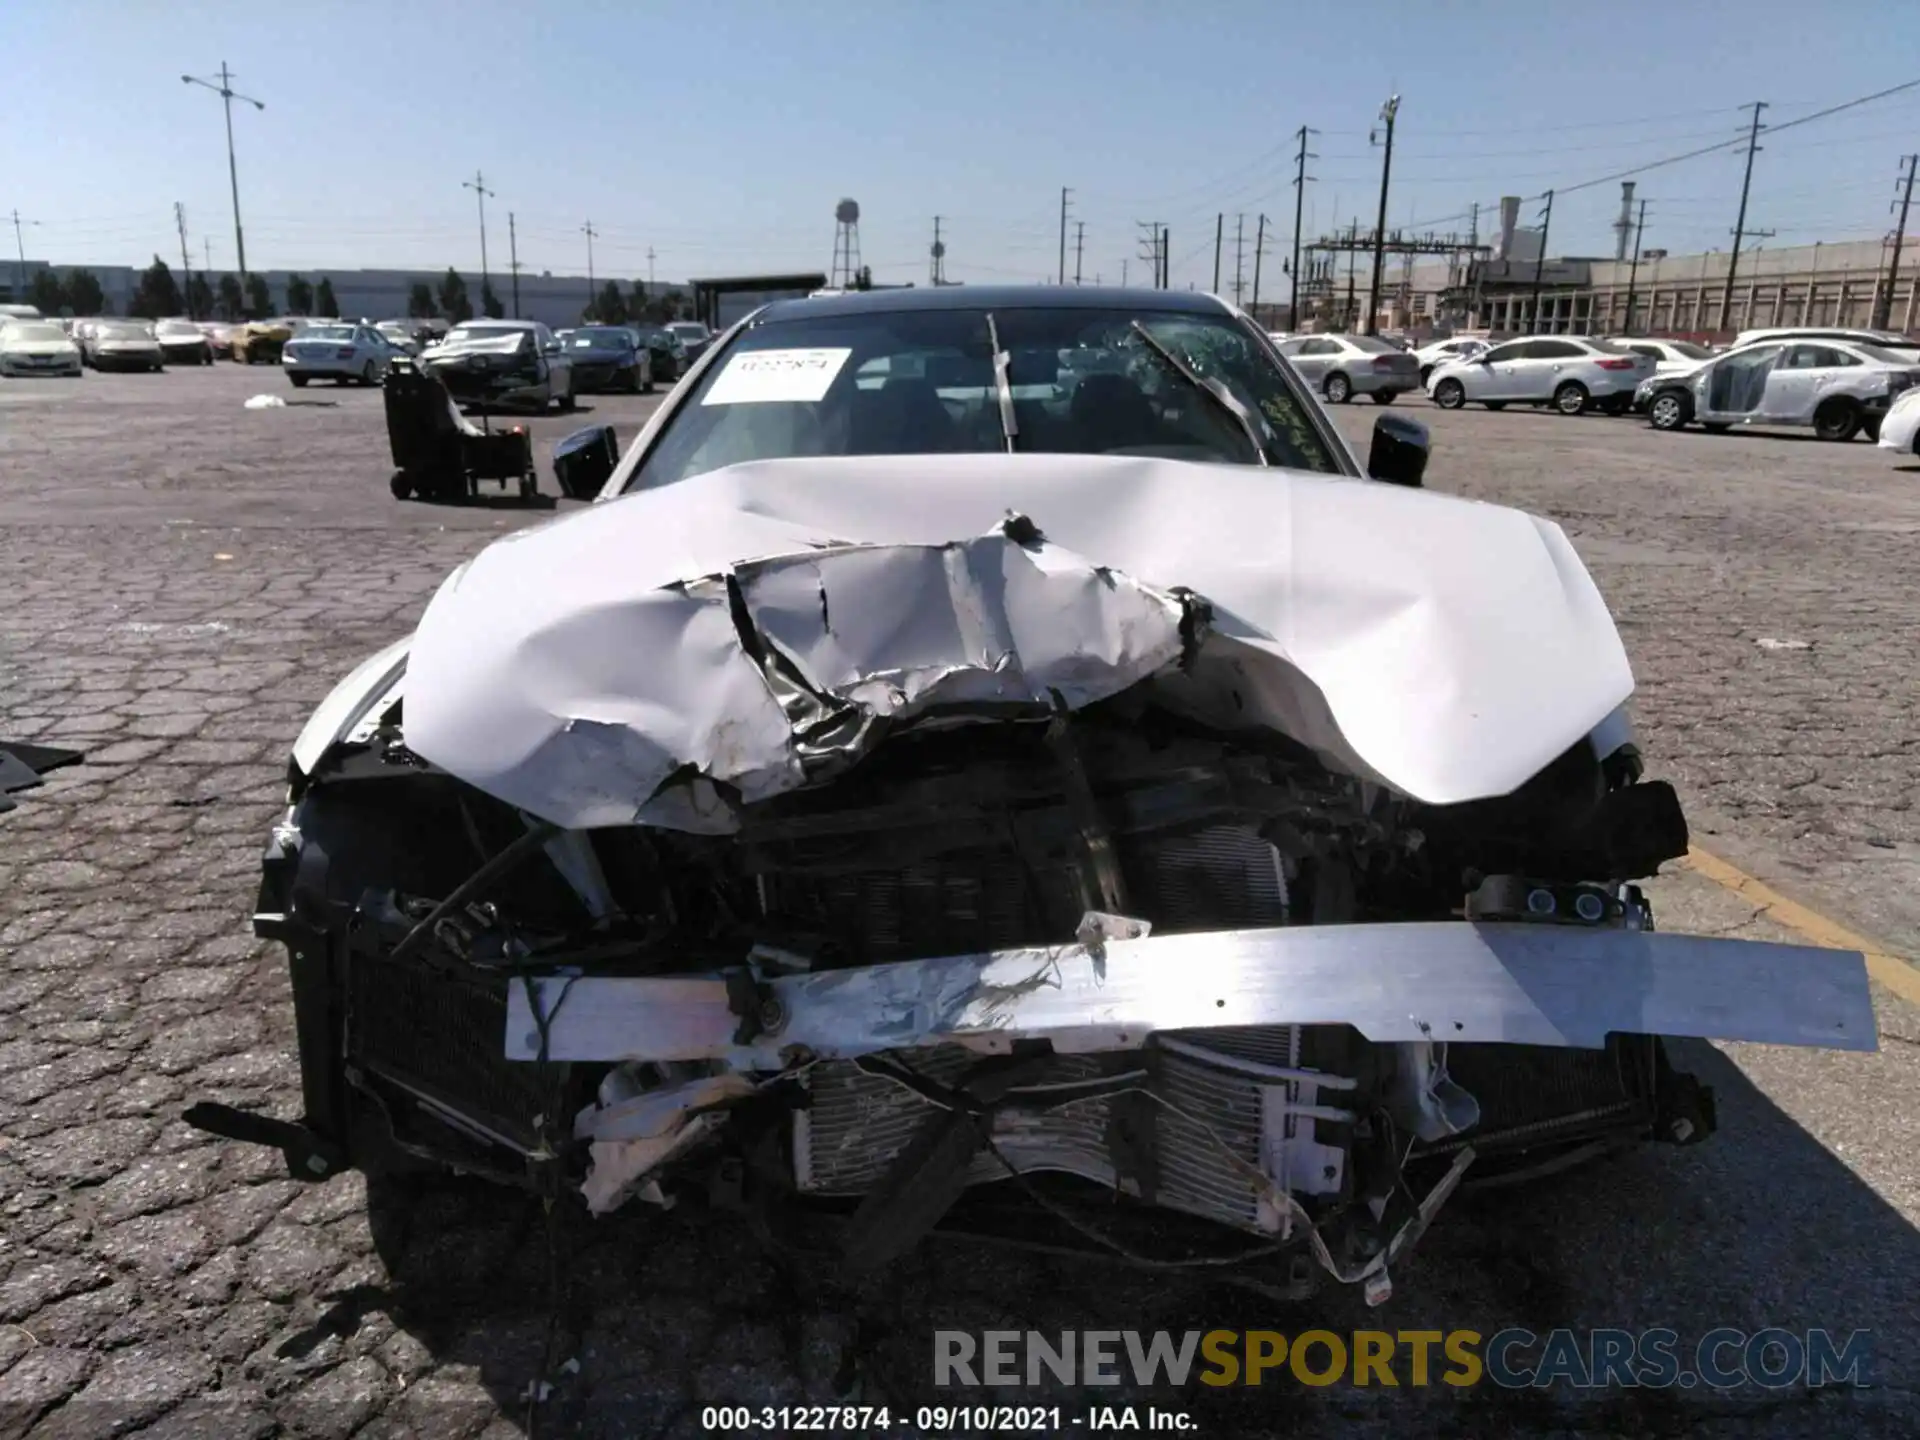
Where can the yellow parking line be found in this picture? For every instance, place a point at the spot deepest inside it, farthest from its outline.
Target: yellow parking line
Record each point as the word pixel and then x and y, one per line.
pixel 1889 969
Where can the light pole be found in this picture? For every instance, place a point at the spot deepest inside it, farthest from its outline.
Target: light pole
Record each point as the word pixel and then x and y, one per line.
pixel 228 95
pixel 478 185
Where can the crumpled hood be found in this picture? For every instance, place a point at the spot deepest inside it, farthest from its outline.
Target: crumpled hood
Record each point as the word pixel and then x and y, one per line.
pixel 742 633
pixel 504 344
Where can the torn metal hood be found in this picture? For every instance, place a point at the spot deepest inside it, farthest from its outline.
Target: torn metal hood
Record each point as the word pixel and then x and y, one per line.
pixel 655 658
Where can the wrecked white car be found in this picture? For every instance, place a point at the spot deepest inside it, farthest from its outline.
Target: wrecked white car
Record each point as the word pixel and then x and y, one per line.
pixel 926 794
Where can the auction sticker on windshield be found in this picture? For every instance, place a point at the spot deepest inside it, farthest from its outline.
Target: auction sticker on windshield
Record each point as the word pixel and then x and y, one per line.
pixel 760 376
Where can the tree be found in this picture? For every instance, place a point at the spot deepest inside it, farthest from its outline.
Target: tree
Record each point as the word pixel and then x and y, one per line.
pixel 453 297
pixel 84 293
pixel 232 304
pixel 299 296
pixel 610 306
pixel 490 305
pixel 259 298
pixel 199 296
pixel 156 295
pixel 420 304
pixel 47 293
pixel 323 300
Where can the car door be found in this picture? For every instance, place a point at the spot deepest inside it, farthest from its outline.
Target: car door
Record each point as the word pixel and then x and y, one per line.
pixel 1317 357
pixel 554 358
pixel 1496 375
pixel 1543 367
pixel 1734 386
pixel 1801 380
pixel 1299 353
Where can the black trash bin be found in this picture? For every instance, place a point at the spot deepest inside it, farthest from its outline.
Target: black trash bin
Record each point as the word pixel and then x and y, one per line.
pixel 583 461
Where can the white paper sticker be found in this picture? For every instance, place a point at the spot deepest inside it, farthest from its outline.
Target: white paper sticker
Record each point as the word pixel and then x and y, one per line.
pixel 760 376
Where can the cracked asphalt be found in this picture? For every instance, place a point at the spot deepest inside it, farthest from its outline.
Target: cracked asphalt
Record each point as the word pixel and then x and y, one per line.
pixel 181 580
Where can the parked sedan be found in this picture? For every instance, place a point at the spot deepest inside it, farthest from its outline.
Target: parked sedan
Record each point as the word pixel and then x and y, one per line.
pixel 219 338
pixel 1569 372
pixel 608 357
pixel 1900 427
pixel 511 363
pixel 1342 366
pixel 666 350
pixel 122 345
pixel 693 335
pixel 1433 356
pixel 1670 357
pixel 183 343
pixel 1836 387
pixel 37 347
pixel 338 352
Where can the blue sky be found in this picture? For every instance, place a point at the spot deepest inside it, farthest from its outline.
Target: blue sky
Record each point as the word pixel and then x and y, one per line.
pixel 721 133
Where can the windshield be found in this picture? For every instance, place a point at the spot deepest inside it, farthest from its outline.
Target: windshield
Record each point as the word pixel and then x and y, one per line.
pixel 601 339
pixel 179 327
pixel 1081 382
pixel 1688 350
pixel 482 332
pixel 1371 345
pixel 122 330
pixel 28 330
pixel 327 332
pixel 1608 347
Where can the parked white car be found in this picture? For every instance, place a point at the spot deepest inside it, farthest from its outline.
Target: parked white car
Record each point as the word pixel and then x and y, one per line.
pixel 339 351
pixel 1572 373
pixel 36 347
pixel 1343 366
pixel 1900 426
pixel 1885 339
pixel 1432 357
pixel 1837 387
pixel 1670 357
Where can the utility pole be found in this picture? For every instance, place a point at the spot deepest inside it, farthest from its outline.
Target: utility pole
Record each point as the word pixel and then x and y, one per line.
pixel 478 185
pixel 1633 273
pixel 1882 312
pixel 939 253
pixel 1299 200
pixel 1166 257
pixel 1387 113
pixel 649 270
pixel 1740 224
pixel 1123 272
pixel 1064 193
pixel 1539 268
pixel 186 268
pixel 1259 249
pixel 1079 246
pixel 1353 310
pixel 206 241
pixel 20 244
pixel 1219 229
pixel 513 260
pixel 588 231
pixel 228 95
pixel 1239 258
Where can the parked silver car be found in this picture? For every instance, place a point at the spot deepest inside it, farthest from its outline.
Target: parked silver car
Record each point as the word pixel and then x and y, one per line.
pixel 1572 373
pixel 509 363
pixel 1836 387
pixel 1343 366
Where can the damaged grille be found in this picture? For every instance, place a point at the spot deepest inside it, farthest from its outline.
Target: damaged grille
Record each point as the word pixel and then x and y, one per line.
pixel 437 1037
pixel 1193 1129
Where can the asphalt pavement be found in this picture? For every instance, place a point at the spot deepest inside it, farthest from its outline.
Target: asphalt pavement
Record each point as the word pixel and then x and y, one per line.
pixel 182 579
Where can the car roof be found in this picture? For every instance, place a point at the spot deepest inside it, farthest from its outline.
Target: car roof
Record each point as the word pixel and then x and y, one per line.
pixel 993 297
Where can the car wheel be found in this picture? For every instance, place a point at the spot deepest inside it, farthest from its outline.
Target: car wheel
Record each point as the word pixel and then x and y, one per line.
pixel 1571 398
pixel 1384 397
pixel 1339 389
pixel 1836 420
pixel 369 374
pixel 567 400
pixel 1668 411
pixel 300 381
pixel 401 485
pixel 1871 429
pixel 1449 394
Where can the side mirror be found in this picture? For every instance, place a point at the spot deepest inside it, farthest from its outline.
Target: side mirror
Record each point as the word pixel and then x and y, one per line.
pixel 1400 450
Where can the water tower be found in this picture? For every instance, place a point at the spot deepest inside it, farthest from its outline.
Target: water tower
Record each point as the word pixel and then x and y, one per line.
pixel 846 245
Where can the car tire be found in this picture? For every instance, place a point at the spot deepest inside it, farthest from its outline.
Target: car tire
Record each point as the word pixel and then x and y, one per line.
pixel 369 374
pixel 1871 429
pixel 1571 398
pixel 401 485
pixel 1338 389
pixel 1837 420
pixel 1384 397
pixel 567 402
pixel 1450 395
pixel 299 381
pixel 1669 410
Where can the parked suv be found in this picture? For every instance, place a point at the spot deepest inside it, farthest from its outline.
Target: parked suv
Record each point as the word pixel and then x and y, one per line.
pixel 1569 372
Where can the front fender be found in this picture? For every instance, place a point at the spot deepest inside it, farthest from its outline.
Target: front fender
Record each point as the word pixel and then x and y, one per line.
pixel 371 681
